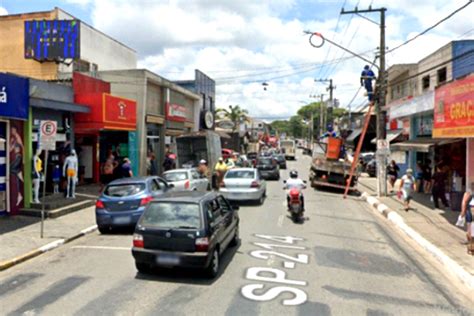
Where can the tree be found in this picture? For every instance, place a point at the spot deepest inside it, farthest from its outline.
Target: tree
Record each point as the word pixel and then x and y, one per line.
pixel 281 126
pixel 235 114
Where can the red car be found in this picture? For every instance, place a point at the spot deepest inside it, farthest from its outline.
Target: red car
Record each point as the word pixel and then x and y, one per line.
pixel 227 153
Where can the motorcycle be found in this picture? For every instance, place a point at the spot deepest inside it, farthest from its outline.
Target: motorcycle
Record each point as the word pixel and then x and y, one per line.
pixel 295 206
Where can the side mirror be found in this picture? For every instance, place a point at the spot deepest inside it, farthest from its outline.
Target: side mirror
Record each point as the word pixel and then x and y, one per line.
pixel 170 185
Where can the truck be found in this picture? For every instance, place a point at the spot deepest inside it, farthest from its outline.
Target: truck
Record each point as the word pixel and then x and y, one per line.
pixel 330 167
pixel 288 147
pixel 195 146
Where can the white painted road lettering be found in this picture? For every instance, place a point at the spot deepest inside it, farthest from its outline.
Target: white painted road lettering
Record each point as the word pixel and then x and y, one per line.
pixel 274 275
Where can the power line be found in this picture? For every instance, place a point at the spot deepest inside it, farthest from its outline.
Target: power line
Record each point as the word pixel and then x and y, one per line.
pixel 431 27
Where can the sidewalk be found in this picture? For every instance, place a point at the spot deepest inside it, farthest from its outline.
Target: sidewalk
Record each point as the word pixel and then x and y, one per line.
pixel 20 235
pixel 434 226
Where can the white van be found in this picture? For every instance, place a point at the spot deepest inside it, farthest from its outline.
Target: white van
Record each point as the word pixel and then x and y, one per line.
pixel 289 149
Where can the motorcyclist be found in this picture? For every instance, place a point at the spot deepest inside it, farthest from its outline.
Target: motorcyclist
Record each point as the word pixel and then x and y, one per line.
pixel 294 182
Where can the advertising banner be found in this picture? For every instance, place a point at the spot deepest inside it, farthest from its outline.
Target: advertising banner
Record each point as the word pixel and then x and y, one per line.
pixel 176 112
pixel 16 152
pixel 14 97
pixel 454 109
pixel 119 111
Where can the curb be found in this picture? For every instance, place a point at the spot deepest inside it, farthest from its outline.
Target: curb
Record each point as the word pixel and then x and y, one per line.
pixel 4 265
pixel 451 266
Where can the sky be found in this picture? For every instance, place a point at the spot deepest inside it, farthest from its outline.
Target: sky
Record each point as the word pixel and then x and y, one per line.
pixel 242 44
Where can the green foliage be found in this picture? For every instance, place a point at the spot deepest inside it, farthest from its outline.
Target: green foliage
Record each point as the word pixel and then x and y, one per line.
pixel 235 114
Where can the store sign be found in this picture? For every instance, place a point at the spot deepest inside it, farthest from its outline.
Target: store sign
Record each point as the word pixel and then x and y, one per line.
pixel 176 112
pixel 454 109
pixel 117 110
pixel 225 124
pixel 412 106
pixel 14 97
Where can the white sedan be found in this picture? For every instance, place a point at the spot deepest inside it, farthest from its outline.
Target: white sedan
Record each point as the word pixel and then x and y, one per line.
pixel 244 184
pixel 186 180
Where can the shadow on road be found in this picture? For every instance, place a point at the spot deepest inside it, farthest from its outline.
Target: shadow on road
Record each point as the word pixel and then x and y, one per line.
pixel 189 276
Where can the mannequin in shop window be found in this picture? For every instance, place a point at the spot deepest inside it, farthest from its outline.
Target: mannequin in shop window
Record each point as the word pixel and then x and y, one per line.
pixel 70 171
pixel 37 169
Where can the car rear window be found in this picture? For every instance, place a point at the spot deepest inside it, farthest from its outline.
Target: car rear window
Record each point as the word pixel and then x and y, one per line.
pixel 125 189
pixel 172 215
pixel 264 161
pixel 176 176
pixel 240 174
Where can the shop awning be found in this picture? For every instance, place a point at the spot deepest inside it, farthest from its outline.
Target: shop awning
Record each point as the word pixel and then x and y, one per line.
pixel 58 105
pixel 391 136
pixel 423 144
pixel 354 134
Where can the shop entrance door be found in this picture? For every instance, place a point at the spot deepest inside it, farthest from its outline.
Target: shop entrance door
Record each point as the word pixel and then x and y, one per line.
pixel 3 167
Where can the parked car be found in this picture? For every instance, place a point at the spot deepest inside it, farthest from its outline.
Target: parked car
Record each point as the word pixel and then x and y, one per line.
pixel 227 153
pixel 268 168
pixel 280 159
pixel 186 180
pixel 365 158
pixel 123 201
pixel 371 167
pixel 185 229
pixel 244 184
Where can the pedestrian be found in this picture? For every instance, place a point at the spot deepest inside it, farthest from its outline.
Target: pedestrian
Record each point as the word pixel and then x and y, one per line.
pixel 202 169
pixel 439 187
pixel 419 175
pixel 392 171
pixel 221 169
pixel 151 169
pixel 126 168
pixel 168 162
pixel 467 209
pixel 427 184
pixel 407 186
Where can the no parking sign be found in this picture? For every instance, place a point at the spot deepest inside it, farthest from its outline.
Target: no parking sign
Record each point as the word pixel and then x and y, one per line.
pixel 47 135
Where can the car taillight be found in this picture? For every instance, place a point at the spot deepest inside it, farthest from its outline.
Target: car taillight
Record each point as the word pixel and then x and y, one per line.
pixel 145 200
pixel 202 244
pixel 255 184
pixel 138 241
pixel 99 204
pixel 186 184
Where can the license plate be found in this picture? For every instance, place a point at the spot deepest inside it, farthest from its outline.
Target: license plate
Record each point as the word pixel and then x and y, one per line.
pixel 169 260
pixel 122 220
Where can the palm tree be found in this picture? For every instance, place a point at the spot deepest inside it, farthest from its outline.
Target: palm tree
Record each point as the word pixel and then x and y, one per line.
pixel 235 114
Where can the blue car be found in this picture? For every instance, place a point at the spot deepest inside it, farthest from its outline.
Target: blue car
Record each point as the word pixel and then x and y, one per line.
pixel 123 201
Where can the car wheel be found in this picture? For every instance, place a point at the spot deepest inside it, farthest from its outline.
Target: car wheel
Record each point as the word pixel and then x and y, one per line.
pixel 143 267
pixel 261 200
pixel 103 230
pixel 213 269
pixel 235 240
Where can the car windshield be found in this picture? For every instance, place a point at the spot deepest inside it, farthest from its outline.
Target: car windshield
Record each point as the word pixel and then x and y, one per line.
pixel 125 189
pixel 279 158
pixel 176 176
pixel 172 215
pixel 240 174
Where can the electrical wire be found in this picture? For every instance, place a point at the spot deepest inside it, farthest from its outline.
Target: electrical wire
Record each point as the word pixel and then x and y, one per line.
pixel 432 27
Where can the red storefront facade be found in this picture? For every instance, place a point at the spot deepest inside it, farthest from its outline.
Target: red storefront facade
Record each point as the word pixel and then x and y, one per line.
pixel 110 127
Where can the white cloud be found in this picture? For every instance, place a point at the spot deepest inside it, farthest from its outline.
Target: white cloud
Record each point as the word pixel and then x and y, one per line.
pixel 3 11
pixel 244 43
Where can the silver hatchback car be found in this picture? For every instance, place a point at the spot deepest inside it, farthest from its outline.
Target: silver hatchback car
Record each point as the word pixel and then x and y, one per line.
pixel 244 184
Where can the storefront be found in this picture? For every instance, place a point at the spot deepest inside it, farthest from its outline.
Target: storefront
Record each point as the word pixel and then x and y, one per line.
pixel 14 99
pixel 454 119
pixel 109 128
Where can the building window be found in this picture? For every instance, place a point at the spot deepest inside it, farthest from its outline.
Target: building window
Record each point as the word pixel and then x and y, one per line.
pixel 442 75
pixel 425 82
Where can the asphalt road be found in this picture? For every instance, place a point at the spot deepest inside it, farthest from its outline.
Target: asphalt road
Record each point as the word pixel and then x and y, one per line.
pixel 343 260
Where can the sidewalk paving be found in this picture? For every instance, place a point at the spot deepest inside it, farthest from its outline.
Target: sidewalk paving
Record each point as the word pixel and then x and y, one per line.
pixel 20 235
pixel 436 226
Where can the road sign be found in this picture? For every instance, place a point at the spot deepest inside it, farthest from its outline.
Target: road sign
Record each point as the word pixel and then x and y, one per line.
pixel 47 135
pixel 383 147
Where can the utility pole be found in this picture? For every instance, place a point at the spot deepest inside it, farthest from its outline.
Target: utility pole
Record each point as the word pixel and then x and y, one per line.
pixel 380 100
pixel 321 116
pixel 327 110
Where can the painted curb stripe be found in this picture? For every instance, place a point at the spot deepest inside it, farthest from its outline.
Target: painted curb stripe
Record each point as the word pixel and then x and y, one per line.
pixel 452 266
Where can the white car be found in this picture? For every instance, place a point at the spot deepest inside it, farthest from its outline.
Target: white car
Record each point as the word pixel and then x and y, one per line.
pixel 186 180
pixel 244 184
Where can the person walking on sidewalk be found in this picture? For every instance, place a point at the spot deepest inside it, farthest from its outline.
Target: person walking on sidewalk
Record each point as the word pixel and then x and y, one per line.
pixel 467 209
pixel 438 188
pixel 407 186
pixel 221 169
pixel 392 171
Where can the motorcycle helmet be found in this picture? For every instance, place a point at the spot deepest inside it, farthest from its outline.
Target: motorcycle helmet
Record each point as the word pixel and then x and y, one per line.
pixel 293 174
